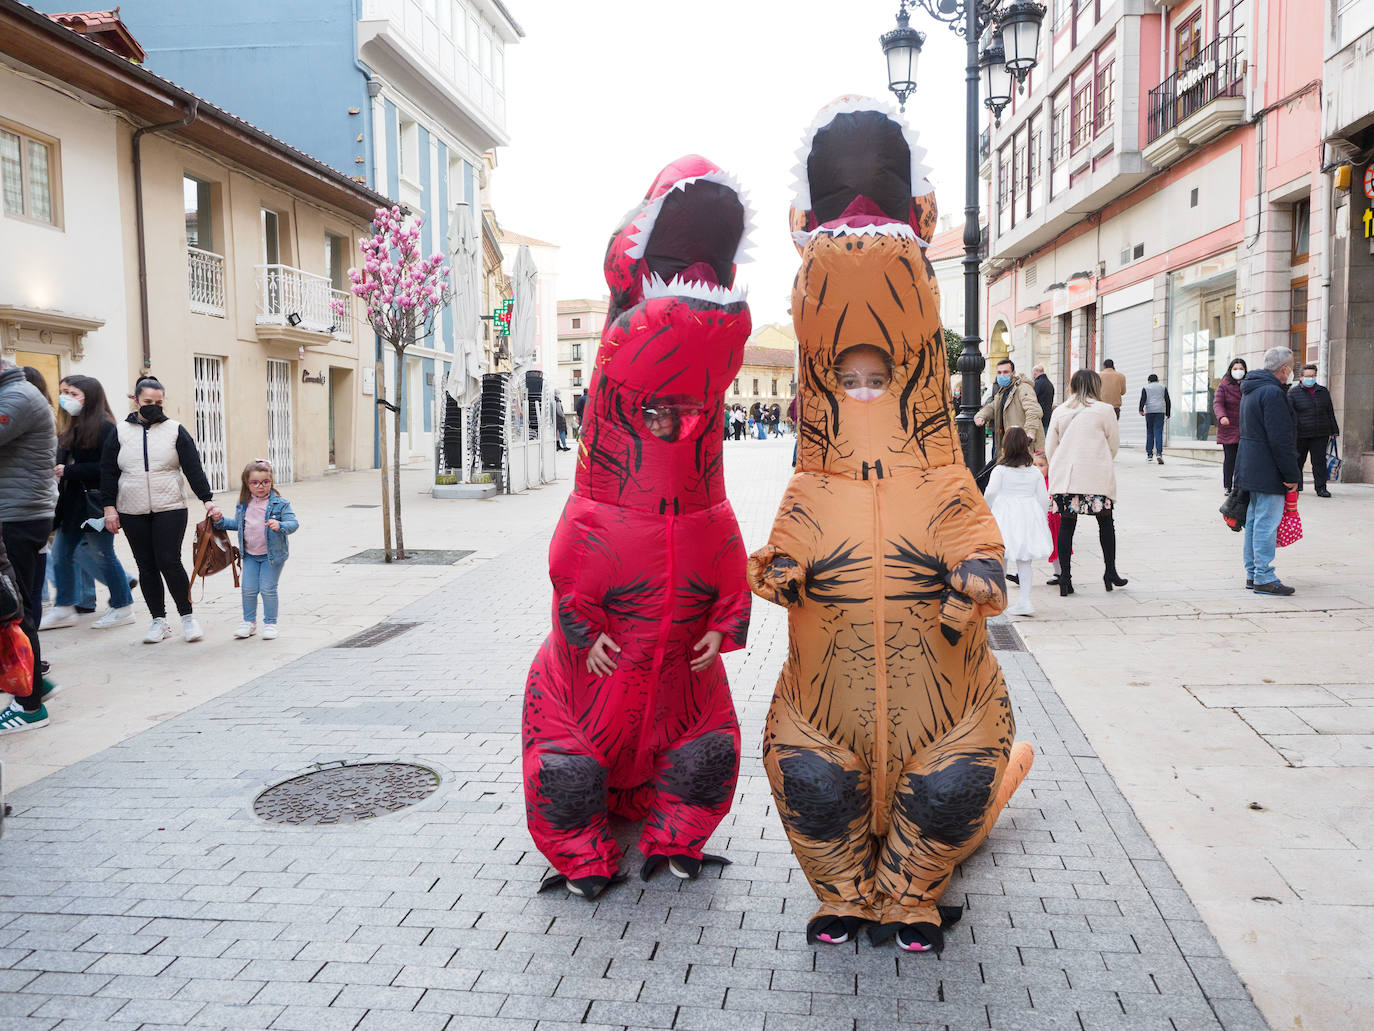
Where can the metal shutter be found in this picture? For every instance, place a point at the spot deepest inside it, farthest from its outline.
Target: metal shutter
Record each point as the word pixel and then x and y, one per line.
pixel 1127 339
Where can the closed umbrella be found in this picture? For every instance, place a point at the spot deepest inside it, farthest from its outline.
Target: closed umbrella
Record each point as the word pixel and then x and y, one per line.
pixel 465 249
pixel 523 312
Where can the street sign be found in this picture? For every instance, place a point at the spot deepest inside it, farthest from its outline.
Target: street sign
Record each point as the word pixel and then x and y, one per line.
pixel 1369 182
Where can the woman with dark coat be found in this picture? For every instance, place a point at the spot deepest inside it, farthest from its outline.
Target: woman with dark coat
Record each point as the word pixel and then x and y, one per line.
pixel 1226 407
pixel 87 424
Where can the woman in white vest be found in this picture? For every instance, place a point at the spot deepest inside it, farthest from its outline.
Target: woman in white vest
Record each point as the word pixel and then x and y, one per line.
pixel 141 483
pixel 1081 446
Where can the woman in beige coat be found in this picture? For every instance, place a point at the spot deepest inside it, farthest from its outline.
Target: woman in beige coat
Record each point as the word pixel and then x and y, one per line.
pixel 1081 446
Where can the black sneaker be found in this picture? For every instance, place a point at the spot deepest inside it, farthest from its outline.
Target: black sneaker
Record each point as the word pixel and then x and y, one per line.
pixel 1274 587
pixel 1249 585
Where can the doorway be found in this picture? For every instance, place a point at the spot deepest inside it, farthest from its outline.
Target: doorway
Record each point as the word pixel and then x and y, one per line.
pixel 340 418
pixel 49 365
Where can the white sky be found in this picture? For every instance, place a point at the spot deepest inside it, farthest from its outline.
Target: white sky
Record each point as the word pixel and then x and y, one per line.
pixel 602 95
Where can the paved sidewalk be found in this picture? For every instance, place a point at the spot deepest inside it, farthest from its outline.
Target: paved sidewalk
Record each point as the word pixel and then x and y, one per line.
pixel 155 897
pixel 1240 727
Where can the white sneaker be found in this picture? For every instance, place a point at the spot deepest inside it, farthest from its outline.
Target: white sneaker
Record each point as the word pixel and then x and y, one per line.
pixel 114 617
pixel 246 629
pixel 1021 609
pixel 158 631
pixel 269 631
pixel 191 628
pixel 57 617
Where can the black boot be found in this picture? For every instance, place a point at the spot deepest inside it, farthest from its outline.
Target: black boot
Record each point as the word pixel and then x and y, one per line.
pixel 1068 522
pixel 1106 536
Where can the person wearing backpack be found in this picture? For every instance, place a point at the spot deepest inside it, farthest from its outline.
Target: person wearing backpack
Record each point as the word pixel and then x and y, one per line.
pixel 263 518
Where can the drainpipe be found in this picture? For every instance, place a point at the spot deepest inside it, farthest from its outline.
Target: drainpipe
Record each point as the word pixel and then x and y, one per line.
pixel 138 223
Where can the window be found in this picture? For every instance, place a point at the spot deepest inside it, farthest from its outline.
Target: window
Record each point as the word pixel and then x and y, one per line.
pixel 1082 115
pixel 271 238
pixel 577 352
pixel 775 388
pixel 1035 157
pixel 1003 180
pixel 1188 41
pixel 1230 17
pixel 1297 329
pixel 28 176
pixel 577 324
pixel 1302 225
pixel 1105 96
pixel 409 157
pixel 1059 132
pixel 196 195
pixel 736 390
pixel 460 17
pixel 336 260
pixel 577 377
pixel 756 388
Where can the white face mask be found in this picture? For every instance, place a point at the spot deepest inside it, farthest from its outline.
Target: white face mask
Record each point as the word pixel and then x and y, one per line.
pixel 865 393
pixel 1237 373
pixel 69 404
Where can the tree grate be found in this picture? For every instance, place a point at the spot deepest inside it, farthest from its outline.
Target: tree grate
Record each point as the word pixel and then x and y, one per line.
pixel 345 794
pixel 375 635
pixel 1002 637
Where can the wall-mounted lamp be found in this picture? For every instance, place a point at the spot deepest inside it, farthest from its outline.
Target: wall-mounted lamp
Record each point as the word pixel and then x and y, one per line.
pixel 294 319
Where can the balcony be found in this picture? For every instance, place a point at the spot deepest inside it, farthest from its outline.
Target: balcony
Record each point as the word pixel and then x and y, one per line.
pixel 294 306
pixel 343 325
pixel 205 281
pixel 1196 103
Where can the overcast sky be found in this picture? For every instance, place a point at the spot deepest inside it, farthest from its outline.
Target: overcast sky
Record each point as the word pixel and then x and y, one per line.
pixel 602 95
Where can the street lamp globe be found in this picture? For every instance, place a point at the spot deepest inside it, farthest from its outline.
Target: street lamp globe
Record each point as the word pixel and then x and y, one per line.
pixel 1019 26
pixel 902 48
pixel 996 78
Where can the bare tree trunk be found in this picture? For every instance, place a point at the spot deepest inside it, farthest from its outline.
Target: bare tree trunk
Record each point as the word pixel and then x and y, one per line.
pixel 396 444
pixel 380 393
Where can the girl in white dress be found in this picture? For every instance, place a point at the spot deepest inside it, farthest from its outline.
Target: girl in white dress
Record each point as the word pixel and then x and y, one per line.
pixel 1019 501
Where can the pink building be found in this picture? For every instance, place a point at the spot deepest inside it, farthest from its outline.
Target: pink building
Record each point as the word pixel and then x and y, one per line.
pixel 1153 193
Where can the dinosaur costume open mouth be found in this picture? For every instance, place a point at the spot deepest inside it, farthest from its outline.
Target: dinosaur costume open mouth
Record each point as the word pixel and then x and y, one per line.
pixel 690 237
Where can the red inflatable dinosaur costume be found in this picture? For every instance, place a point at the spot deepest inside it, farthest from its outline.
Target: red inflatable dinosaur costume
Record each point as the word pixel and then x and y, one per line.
pixel 647 562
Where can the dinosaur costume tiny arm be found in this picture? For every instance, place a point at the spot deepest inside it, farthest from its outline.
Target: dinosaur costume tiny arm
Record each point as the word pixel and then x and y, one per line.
pixel 778 571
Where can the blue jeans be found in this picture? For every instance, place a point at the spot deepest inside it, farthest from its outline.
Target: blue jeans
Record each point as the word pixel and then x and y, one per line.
pixel 260 578
pixel 1262 536
pixel 1154 433
pixel 92 556
pixel 86 584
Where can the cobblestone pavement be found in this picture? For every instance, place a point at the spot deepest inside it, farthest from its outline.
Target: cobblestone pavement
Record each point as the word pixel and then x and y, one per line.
pixel 145 893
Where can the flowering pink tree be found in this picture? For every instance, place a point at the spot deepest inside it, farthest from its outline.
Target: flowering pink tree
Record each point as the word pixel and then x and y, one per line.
pixel 403 293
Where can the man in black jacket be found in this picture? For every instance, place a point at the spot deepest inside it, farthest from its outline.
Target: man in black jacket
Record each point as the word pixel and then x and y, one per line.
pixel 1314 420
pixel 1266 465
pixel 1044 393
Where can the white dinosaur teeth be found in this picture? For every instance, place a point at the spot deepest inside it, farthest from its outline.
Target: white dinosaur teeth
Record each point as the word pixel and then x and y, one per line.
pixel 643 225
pixel 882 229
pixel 653 286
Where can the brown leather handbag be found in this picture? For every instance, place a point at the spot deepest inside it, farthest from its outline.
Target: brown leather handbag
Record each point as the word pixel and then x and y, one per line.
pixel 213 552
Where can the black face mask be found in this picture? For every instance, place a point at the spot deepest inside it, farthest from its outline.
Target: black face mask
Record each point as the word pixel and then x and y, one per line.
pixel 151 413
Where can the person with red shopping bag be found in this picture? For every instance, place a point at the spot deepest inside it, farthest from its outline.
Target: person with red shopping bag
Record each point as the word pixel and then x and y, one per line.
pixel 1266 466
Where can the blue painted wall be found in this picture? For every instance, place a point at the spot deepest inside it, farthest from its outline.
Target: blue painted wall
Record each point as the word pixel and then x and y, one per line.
pixel 288 68
pixel 427 367
pixel 445 332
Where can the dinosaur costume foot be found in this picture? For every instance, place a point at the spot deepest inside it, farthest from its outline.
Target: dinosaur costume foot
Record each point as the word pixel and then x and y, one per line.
pixel 917 937
pixel 834 930
pixel 583 887
pixel 683 867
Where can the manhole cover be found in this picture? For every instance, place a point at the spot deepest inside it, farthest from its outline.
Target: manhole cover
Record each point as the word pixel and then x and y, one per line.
pixel 375 635
pixel 1004 638
pixel 345 794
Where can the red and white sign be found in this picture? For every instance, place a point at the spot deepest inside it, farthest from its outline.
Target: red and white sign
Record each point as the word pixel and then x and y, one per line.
pixel 1369 182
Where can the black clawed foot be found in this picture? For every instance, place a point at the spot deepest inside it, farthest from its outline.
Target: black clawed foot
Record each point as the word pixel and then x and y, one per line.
pixel 921 938
pixel 686 868
pixel 583 887
pixel 833 930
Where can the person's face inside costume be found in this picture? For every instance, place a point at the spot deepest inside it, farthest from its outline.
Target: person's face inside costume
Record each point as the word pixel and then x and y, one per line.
pixel 674 418
pixel 864 372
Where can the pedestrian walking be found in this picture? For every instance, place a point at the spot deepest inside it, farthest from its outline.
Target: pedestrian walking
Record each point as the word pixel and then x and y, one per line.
pixel 1081 447
pixel 1044 395
pixel 1020 501
pixel 141 472
pixel 28 497
pixel 263 519
pixel 1113 385
pixel 81 545
pixel 1266 465
pixel 739 419
pixel 1226 407
pixel 1314 422
pixel 1155 406
pixel 560 422
pixel 1012 403
pixel 579 406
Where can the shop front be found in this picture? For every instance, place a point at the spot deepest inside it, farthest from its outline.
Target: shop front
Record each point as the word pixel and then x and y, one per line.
pixel 1202 342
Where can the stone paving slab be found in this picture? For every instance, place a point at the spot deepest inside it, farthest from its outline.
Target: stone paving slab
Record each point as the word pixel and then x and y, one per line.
pixel 157 898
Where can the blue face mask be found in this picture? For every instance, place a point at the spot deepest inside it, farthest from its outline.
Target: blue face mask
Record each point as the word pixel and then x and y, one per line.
pixel 1309 381
pixel 1004 381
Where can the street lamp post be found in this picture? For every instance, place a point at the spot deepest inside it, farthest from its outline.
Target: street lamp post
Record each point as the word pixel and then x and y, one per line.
pixel 1009 54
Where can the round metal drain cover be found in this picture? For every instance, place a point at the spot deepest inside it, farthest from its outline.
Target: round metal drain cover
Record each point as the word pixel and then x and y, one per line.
pixel 346 794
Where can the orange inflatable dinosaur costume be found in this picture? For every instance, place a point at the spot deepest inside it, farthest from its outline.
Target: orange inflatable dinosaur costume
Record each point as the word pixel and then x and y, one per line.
pixel 889 742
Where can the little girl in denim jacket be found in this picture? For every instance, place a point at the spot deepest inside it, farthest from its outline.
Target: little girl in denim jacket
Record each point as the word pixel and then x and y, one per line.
pixel 263 518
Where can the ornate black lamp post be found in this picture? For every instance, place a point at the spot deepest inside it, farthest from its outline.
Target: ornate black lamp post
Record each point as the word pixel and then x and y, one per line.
pixel 1010 54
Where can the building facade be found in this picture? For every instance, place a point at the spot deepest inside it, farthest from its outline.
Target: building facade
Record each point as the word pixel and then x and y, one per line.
pixel 768 375
pixel 199 251
pixel 580 323
pixel 1153 193
pixel 408 95
pixel 1348 131
pixel 545 257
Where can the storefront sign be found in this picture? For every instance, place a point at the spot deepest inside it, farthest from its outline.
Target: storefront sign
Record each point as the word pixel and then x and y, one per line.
pixel 307 378
pixel 1368 223
pixel 1076 293
pixel 1369 182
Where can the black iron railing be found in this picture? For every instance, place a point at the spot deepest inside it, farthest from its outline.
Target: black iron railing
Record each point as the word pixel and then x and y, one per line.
pixel 1218 71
